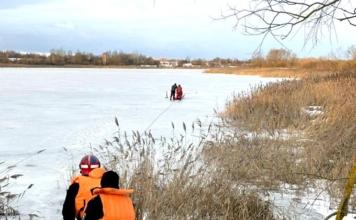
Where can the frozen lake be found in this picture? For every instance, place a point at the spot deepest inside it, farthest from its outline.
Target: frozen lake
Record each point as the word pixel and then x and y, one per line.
pixel 57 108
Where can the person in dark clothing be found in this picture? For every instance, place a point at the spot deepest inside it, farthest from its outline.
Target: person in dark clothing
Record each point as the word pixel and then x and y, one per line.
pixel 78 193
pixel 110 202
pixel 69 211
pixel 173 91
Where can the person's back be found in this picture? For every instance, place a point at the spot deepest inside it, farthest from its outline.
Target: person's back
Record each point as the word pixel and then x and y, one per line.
pixel 174 87
pixel 79 192
pixel 118 198
pixel 179 92
pixel 86 184
pixel 173 91
pixel 110 202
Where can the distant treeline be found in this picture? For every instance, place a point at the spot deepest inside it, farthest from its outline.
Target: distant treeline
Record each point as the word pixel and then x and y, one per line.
pixel 288 59
pixel 110 58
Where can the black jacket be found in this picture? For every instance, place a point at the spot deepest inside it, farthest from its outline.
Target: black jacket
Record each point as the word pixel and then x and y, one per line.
pixel 68 210
pixel 173 88
pixel 94 209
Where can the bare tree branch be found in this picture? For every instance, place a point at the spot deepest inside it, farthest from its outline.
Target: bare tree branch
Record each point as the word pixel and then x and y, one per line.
pixel 281 18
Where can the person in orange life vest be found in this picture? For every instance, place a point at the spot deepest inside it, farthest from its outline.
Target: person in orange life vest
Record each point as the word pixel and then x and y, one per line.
pixel 78 193
pixel 110 202
pixel 179 92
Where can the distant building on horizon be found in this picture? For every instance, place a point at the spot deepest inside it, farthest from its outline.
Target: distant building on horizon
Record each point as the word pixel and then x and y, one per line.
pixel 168 63
pixel 14 59
pixel 187 65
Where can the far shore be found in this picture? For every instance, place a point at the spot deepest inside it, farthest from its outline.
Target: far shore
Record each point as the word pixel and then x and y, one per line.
pixel 64 66
pixel 87 66
pixel 238 70
pixel 266 71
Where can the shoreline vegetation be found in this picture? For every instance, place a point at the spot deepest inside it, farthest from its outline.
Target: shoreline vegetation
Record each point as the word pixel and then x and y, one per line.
pixel 110 59
pixel 14 65
pixel 303 127
pixel 302 68
pixel 276 63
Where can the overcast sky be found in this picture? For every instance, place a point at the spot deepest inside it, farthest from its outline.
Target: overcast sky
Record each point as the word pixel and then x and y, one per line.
pixel 158 28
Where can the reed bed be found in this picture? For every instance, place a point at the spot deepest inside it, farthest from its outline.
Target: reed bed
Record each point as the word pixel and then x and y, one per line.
pixel 8 199
pixel 300 68
pixel 312 119
pixel 174 179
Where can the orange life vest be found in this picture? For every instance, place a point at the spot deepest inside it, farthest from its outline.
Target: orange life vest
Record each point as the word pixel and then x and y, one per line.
pixel 86 183
pixel 117 204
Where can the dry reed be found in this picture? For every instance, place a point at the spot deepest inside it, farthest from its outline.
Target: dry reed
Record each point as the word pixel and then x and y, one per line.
pixel 311 124
pixel 173 180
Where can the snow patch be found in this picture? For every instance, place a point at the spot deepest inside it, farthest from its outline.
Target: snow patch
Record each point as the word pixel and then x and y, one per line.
pixel 313 111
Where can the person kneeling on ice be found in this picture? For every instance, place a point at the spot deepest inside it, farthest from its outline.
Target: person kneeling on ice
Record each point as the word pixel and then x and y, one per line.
pixel 79 191
pixel 179 92
pixel 110 202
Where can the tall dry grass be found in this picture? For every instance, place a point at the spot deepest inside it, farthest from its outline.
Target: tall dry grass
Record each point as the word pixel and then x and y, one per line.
pixel 297 68
pixel 261 71
pixel 173 179
pixel 8 199
pixel 311 124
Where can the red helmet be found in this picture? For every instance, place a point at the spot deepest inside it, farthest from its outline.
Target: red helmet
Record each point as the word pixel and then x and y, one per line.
pixel 88 163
